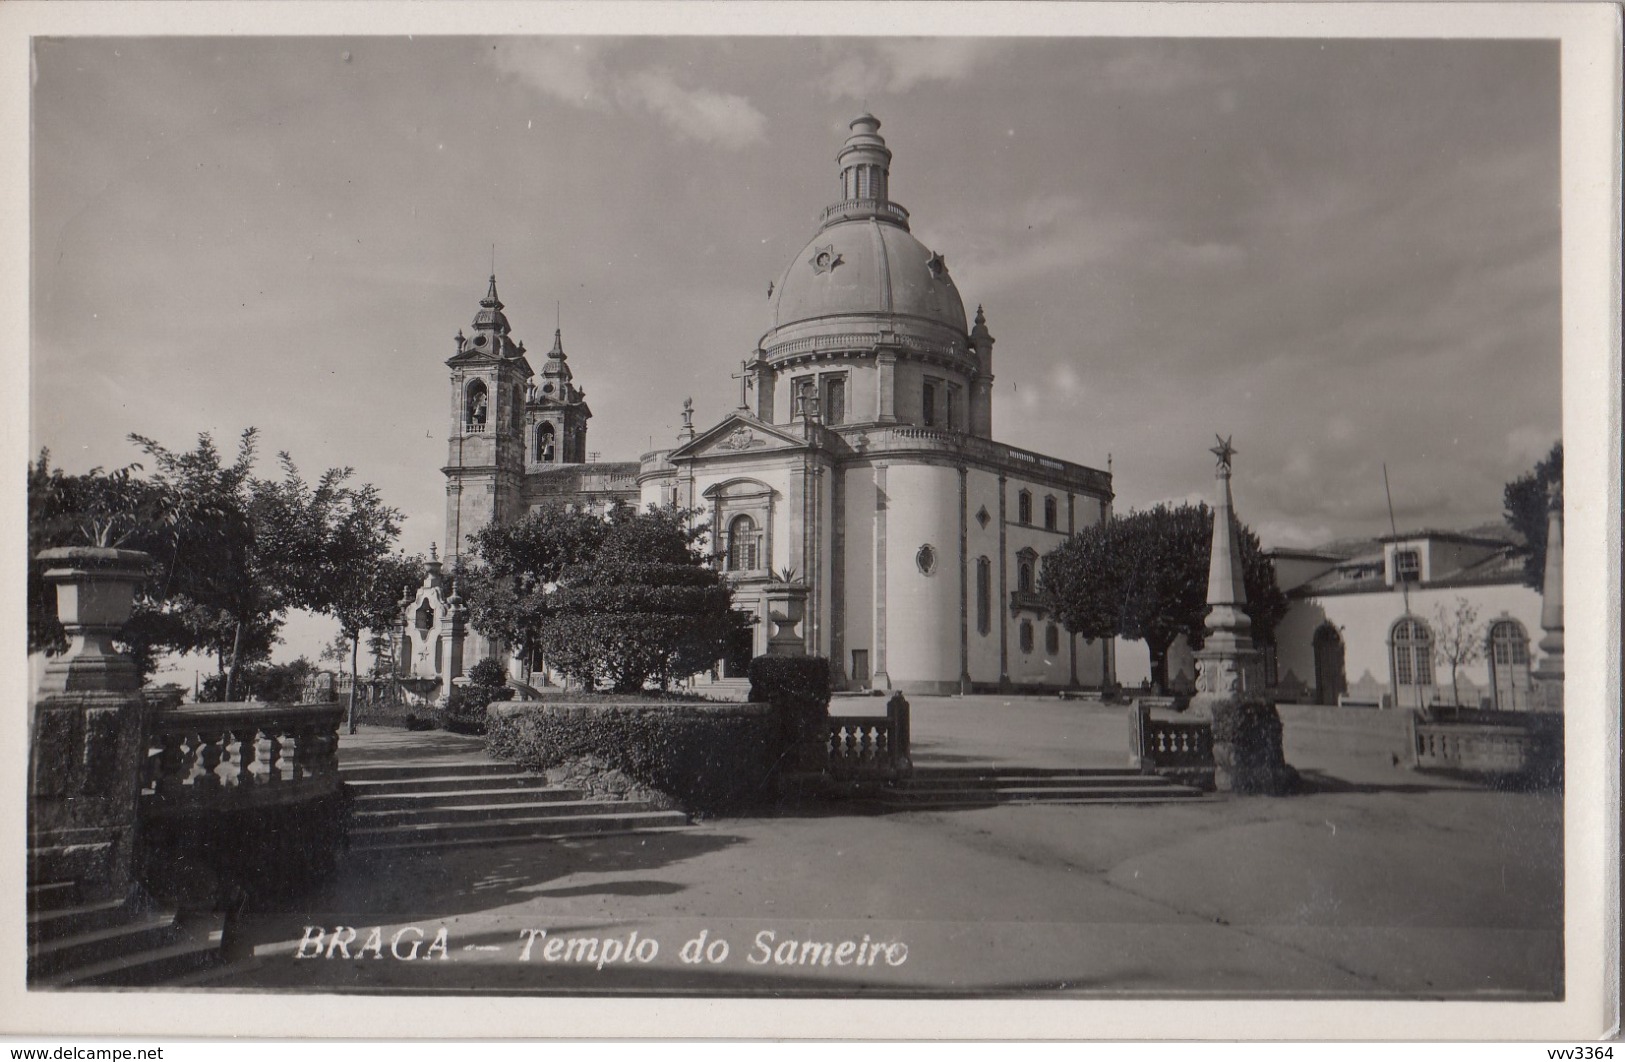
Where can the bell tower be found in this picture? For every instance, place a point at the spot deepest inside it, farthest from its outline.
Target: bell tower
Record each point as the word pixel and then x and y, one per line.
pixel 485 460
pixel 556 414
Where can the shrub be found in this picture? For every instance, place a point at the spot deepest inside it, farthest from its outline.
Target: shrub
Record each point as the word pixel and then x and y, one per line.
pixel 711 757
pixel 488 672
pixel 798 689
pixel 464 710
pixel 1247 752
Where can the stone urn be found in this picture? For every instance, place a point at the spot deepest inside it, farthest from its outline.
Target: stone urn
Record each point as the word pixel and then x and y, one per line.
pixel 95 592
pixel 785 606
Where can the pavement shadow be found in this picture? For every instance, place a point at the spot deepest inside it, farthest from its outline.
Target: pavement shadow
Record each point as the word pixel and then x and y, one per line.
pixel 419 885
pixel 1316 781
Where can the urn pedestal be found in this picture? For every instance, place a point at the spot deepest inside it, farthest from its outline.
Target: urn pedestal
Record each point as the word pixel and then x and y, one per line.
pixel 88 727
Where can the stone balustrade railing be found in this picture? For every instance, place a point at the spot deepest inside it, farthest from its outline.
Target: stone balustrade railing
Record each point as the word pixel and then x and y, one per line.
pixel 862 208
pixel 1166 744
pixel 1525 746
pixel 868 746
pixel 242 755
pixel 473 428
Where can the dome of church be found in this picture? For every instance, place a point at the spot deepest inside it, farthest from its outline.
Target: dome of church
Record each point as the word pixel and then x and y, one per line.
pixel 864 272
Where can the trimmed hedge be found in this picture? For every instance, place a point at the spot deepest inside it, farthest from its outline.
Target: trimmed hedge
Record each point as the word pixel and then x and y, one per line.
pixel 464 710
pixel 798 689
pixel 1247 752
pixel 707 757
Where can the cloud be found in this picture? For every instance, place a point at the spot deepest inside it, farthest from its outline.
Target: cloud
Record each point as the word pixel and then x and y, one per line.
pixel 579 73
pixel 697 114
pixel 564 69
pixel 898 66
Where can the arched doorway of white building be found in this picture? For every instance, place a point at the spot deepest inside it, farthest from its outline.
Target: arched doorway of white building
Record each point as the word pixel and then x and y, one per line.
pixel 1331 681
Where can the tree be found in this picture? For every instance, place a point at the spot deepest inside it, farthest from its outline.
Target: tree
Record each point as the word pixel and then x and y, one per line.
pixel 518 566
pixel 1527 499
pixel 232 554
pixel 646 607
pixel 1144 576
pixel 1460 640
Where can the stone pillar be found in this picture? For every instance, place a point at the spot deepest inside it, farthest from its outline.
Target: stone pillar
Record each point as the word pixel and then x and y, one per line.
pixel 456 634
pixel 879 677
pixel 1548 677
pixel 88 731
pixel 1228 667
pixel 886 387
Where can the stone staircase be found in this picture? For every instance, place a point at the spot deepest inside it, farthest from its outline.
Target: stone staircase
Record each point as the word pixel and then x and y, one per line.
pixel 401 806
pixel 125 942
pixel 960 787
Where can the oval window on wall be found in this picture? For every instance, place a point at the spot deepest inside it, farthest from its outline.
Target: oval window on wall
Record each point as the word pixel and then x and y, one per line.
pixel 926 559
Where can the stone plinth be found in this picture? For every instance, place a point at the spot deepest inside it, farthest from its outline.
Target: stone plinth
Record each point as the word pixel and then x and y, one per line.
pixel 87 732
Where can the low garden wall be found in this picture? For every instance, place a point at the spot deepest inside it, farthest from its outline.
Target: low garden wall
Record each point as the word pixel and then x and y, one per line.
pixel 706 757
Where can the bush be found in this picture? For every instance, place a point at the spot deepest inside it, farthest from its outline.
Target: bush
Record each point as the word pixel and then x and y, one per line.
pixel 712 757
pixel 1247 752
pixel 798 689
pixel 464 710
pixel 488 672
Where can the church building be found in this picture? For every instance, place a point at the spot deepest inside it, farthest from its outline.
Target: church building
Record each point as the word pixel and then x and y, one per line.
pixel 859 462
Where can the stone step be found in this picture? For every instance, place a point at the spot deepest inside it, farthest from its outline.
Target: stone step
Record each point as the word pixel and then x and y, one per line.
pixel 50 895
pixel 187 949
pixel 1033 792
pixel 369 800
pixel 62 922
pixel 948 801
pixel 383 772
pixel 138 932
pixel 519 837
pixel 1121 780
pixel 485 812
pixel 929 770
pixel 507 830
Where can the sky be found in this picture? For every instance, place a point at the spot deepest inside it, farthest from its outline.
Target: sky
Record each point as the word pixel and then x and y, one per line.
pixel 1341 253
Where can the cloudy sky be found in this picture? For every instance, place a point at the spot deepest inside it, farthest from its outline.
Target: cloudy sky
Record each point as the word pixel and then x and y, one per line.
pixel 1343 253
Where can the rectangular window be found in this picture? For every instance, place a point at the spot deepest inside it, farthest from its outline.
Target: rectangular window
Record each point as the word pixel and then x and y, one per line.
pixel 952 410
pixel 835 399
pixel 1407 566
pixel 984 595
pixel 928 404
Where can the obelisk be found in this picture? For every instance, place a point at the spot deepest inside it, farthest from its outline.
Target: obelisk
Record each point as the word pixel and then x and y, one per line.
pixel 1548 677
pixel 1227 665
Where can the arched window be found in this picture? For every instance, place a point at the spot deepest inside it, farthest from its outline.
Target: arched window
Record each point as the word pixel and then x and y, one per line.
pixel 744 544
pixel 475 403
pixel 1026 636
pixel 1052 640
pixel 1024 576
pixel 1411 643
pixel 1509 664
pixel 984 595
pixel 1049 513
pixel 1024 507
pixel 544 442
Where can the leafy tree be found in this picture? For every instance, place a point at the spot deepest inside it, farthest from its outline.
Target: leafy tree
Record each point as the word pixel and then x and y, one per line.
pixel 272 683
pixel 518 566
pixel 232 553
pixel 1144 576
pixel 1460 640
pixel 1527 499
pixel 646 607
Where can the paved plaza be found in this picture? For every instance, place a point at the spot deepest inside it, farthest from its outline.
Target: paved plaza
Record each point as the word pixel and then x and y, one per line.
pixel 1376 883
